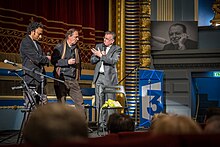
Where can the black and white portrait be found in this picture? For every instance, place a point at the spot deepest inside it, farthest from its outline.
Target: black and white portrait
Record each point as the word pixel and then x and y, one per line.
pixel 173 35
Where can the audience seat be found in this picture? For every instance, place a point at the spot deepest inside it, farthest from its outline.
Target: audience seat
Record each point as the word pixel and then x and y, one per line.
pixel 132 135
pixel 140 139
pixel 209 140
pixel 108 138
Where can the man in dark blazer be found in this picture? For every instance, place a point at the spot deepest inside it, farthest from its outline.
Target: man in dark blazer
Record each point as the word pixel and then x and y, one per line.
pixel 67 67
pixel 33 61
pixel 105 56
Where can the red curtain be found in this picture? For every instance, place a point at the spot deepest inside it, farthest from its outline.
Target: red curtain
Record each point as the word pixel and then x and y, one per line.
pixel 90 17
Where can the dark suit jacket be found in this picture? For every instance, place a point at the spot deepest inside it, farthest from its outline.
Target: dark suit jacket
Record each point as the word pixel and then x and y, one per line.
pixel 109 61
pixel 33 59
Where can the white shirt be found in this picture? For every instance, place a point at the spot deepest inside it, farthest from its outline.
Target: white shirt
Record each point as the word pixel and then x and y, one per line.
pixel 107 49
pixel 102 70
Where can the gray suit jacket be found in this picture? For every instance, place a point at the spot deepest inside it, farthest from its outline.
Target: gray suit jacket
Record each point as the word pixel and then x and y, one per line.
pixel 110 60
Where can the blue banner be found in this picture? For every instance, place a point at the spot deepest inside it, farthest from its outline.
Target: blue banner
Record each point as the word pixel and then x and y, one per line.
pixel 151 94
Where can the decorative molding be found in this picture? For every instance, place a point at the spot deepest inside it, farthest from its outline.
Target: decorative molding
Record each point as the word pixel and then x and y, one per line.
pixel 188 66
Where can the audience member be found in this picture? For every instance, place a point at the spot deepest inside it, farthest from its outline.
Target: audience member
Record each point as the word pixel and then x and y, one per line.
pixel 213 125
pixel 212 111
pixel 156 117
pixel 54 122
pixel 175 124
pixel 120 123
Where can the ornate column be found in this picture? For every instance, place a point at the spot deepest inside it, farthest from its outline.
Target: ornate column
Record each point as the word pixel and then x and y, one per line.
pixel 216 8
pixel 145 35
pixel 132 19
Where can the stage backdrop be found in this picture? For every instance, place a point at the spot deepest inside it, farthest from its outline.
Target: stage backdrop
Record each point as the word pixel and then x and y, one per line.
pixel 90 17
pixel 151 94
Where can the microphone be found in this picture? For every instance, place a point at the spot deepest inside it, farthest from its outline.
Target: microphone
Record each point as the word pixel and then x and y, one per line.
pixel 9 62
pixel 48 54
pixel 103 47
pixel 12 71
pixel 17 87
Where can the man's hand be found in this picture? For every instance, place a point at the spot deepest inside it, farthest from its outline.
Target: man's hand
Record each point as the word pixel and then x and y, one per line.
pixel 103 52
pixel 71 61
pixel 49 57
pixel 97 52
pixel 182 41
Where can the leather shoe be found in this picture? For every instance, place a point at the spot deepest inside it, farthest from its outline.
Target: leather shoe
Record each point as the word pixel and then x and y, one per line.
pixel 90 130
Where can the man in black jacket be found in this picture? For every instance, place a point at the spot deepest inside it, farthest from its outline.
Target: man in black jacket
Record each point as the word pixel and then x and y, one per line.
pixel 34 59
pixel 66 61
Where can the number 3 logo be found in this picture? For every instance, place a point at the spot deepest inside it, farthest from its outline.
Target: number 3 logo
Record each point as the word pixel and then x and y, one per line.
pixel 155 101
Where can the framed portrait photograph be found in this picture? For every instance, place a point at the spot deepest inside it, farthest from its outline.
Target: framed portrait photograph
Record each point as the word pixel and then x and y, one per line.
pixel 174 35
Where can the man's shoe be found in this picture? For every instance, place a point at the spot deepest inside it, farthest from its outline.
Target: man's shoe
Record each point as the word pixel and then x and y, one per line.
pixel 90 130
pixel 102 129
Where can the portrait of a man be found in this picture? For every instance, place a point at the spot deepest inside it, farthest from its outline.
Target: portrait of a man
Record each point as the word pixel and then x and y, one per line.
pixel 169 35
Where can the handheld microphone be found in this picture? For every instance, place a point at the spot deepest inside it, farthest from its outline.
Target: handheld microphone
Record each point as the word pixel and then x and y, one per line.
pixel 103 47
pixel 9 62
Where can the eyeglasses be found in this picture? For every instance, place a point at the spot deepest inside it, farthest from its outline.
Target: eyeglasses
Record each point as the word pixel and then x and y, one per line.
pixel 107 39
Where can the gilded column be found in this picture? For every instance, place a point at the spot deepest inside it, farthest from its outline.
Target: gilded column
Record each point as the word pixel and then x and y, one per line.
pixel 120 40
pixel 133 35
pixel 145 35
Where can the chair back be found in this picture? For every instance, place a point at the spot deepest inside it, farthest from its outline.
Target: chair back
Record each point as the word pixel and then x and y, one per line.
pixel 114 89
pixel 119 89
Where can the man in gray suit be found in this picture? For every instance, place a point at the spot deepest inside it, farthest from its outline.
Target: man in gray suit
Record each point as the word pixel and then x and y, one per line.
pixel 105 56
